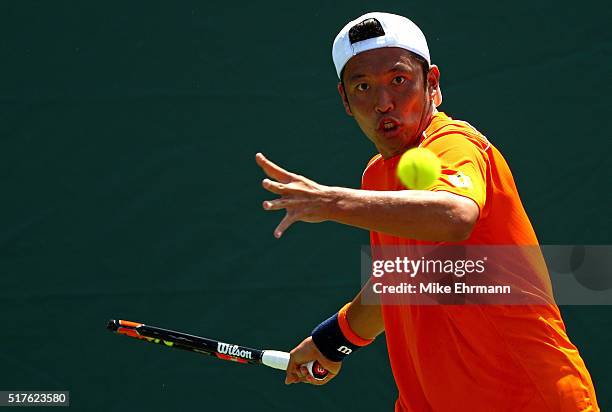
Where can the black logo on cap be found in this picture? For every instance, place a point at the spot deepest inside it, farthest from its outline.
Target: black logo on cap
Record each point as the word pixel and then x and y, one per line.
pixel 367 29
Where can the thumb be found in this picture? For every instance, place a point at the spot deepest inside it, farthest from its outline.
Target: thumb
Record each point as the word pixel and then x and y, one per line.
pixel 290 379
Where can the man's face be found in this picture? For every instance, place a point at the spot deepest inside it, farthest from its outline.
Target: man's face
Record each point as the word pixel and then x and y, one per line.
pixel 386 93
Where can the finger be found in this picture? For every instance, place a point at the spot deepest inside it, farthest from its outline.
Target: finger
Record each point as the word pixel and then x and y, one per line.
pixel 291 378
pixel 306 379
pixel 303 375
pixel 284 224
pixel 291 372
pixel 272 186
pixel 311 380
pixel 278 204
pixel 273 170
pixel 316 382
pixel 304 372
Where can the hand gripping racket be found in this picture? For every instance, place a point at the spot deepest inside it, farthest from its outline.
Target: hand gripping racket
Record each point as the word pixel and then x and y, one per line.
pixel 226 351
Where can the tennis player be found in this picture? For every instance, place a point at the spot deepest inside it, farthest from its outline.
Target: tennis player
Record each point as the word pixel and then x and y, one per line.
pixel 443 357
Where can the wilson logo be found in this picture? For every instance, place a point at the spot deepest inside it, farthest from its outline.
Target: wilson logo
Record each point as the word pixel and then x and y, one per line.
pixel 319 369
pixel 233 350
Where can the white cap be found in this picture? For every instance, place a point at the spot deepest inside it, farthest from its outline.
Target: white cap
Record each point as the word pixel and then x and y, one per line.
pixel 398 32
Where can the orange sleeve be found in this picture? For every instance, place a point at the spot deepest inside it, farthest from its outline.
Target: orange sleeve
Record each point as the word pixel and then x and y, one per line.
pixel 464 167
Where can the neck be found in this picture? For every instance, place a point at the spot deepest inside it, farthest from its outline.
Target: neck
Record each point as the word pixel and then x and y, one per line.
pixel 428 113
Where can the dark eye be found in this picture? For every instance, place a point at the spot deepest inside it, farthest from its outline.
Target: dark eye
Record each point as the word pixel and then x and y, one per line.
pixel 399 80
pixel 362 87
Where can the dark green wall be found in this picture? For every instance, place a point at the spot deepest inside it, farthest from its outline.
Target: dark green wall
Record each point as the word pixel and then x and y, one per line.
pixel 129 189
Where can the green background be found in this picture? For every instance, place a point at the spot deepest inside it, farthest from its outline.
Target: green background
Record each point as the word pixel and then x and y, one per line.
pixel 129 189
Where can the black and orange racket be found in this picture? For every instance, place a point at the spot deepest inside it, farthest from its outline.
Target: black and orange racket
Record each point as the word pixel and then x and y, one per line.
pixel 226 351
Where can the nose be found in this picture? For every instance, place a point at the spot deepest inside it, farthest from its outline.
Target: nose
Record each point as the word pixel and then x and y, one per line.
pixel 384 102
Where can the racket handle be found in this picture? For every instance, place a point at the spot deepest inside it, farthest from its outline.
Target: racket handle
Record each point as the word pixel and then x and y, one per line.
pixel 279 360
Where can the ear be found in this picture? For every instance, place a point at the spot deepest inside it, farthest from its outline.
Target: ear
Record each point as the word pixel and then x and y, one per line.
pixel 433 80
pixel 345 102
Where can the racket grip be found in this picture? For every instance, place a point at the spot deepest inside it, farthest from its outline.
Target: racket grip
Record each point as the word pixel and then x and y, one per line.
pixel 316 370
pixel 279 360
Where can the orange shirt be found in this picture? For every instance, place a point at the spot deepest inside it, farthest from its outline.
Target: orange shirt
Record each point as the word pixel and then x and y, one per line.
pixel 478 357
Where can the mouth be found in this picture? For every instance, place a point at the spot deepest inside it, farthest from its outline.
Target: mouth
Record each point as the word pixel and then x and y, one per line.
pixel 388 125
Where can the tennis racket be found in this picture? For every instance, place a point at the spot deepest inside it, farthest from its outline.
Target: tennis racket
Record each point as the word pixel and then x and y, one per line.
pixel 226 351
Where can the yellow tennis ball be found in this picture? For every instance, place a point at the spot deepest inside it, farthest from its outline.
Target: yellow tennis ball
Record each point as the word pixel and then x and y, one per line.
pixel 418 168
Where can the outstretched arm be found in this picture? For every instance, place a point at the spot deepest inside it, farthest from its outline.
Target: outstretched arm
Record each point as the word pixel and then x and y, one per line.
pixel 415 214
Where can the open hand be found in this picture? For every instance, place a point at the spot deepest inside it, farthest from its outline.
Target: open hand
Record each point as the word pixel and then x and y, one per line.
pixel 303 199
